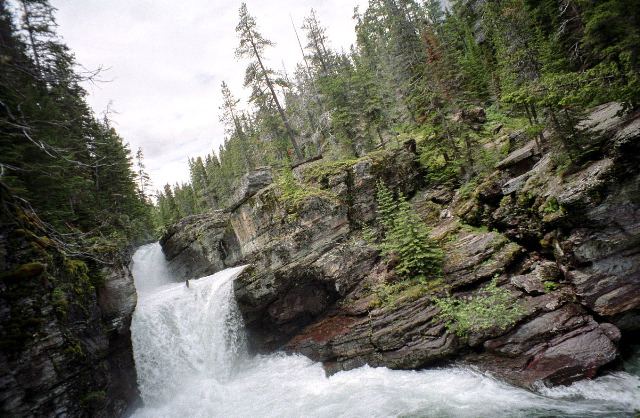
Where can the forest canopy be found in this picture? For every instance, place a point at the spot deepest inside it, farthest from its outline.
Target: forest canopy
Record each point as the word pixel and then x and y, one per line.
pixel 61 164
pixel 451 78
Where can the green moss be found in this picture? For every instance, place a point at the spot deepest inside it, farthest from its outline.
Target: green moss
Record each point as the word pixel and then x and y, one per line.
pixel 294 195
pixel 17 333
pixel 74 349
pixel 23 272
pixel 75 267
pixel 387 294
pixel 551 205
pixel 93 399
pixel 59 301
pixel 550 286
pixel 322 172
pixel 30 324
pixel 78 273
pixel 525 200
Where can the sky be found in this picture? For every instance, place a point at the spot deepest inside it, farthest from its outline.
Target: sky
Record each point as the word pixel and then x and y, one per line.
pixel 163 62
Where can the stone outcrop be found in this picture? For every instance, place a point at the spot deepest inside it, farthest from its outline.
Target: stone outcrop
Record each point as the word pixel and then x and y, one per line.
pixel 65 344
pixel 249 185
pixel 565 248
pixel 194 245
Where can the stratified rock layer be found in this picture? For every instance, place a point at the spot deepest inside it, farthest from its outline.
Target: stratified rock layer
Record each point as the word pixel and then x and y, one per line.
pixel 65 340
pixel 565 248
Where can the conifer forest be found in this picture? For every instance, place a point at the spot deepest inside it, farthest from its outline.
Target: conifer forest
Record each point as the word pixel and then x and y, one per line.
pixel 457 187
pixel 453 78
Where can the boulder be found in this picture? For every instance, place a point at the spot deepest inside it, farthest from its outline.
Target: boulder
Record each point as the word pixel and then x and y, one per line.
pixel 520 160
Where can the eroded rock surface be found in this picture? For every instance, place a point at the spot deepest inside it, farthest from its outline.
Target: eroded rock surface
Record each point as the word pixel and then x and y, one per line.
pixel 65 342
pixel 565 248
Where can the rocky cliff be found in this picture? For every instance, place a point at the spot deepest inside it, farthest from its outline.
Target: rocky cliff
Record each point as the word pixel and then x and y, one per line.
pixel 564 249
pixel 65 346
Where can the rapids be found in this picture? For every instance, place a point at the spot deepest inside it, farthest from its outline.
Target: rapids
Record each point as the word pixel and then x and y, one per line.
pixel 191 360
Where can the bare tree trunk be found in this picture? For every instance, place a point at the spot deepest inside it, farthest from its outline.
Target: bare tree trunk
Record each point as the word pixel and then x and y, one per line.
pixel 32 41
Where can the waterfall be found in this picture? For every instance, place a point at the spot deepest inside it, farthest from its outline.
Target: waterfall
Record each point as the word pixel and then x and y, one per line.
pixel 189 348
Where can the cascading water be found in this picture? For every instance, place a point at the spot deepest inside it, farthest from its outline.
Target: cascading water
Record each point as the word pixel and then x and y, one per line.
pixel 191 361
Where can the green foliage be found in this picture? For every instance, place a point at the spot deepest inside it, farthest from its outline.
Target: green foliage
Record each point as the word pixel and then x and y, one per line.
pixel 403 291
pixel 406 238
pixel 551 205
pixel 322 172
pixel 23 272
pixel 75 171
pixel 293 195
pixel 73 349
pixel 418 70
pixel 491 308
pixel 550 286
pixel 59 301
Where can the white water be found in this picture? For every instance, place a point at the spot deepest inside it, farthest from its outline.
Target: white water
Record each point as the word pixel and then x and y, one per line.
pixel 191 361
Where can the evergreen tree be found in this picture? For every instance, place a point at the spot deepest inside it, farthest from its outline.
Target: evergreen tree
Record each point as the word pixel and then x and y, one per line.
pixel 75 171
pixel 406 238
pixel 252 46
pixel 320 56
pixel 231 120
pixel 144 181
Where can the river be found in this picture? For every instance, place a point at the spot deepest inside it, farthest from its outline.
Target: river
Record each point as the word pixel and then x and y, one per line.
pixel 191 359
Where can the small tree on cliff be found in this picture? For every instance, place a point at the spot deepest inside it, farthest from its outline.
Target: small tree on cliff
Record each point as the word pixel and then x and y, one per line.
pixel 406 238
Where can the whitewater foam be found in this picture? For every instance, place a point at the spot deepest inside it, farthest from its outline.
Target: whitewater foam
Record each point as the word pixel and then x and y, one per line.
pixel 191 360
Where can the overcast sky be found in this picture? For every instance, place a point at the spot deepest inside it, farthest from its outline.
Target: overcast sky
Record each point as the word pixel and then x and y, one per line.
pixel 165 61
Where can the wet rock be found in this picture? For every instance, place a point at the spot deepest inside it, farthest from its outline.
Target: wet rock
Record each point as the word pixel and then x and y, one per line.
pixel 473 256
pixel 540 281
pixel 558 347
pixel 601 261
pixel 118 298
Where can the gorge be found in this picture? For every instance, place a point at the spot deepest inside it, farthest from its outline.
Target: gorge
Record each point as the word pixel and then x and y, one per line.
pixel 441 220
pixel 565 248
pixel 192 361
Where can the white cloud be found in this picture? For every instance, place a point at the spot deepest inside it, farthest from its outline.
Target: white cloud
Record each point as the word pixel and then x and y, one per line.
pixel 166 61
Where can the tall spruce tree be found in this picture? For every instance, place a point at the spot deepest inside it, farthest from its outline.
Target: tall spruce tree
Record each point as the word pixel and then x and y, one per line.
pixel 231 120
pixel 252 46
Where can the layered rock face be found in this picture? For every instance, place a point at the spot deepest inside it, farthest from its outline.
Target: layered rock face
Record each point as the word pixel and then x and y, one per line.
pixel 65 345
pixel 565 248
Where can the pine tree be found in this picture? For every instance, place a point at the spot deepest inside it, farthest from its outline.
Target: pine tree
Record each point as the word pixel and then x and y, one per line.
pixel 232 122
pixel 320 56
pixel 252 46
pixel 406 238
pixel 74 170
pixel 144 181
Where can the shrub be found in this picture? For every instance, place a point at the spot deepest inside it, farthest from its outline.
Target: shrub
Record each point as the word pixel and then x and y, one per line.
pixel 490 308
